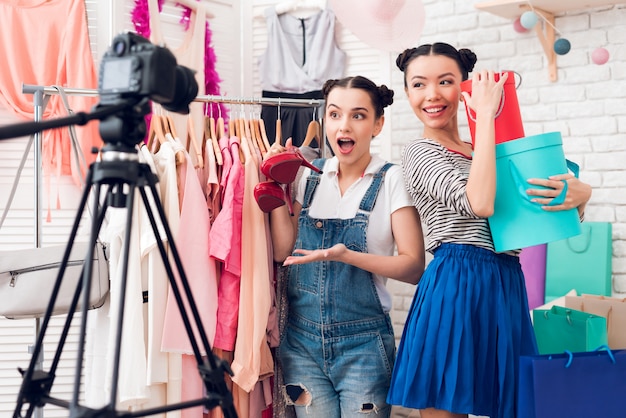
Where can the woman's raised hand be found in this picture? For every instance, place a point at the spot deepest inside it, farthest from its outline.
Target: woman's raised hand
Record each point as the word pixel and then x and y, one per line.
pixel 486 92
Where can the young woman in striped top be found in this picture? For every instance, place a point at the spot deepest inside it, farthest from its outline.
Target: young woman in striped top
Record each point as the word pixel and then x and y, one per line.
pixel 469 321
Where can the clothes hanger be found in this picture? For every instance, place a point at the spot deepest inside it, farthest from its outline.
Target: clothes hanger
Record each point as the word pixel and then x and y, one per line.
pixel 169 133
pixel 264 134
pixel 256 140
pixel 156 133
pixel 221 129
pixel 259 137
pixel 232 127
pixel 279 126
pixel 312 131
pixel 245 139
pixel 168 125
pixel 257 132
pixel 239 132
pixel 211 133
pixel 192 142
pixel 251 140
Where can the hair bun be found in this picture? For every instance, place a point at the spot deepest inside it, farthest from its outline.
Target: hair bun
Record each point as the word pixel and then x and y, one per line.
pixel 328 86
pixel 386 95
pixel 468 59
pixel 404 57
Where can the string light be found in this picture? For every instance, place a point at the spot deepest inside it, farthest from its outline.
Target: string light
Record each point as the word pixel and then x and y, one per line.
pixel 561 46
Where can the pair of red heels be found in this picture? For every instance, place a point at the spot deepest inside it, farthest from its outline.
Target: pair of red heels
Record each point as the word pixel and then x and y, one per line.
pixel 283 169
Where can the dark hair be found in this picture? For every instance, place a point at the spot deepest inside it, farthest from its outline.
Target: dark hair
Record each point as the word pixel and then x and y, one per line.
pixel 381 96
pixel 464 57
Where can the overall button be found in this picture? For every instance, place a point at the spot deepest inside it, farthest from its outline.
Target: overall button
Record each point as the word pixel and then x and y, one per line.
pixel 319 224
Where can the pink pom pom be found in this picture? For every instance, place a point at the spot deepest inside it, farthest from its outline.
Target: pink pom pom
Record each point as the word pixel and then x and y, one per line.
pixel 600 56
pixel 517 25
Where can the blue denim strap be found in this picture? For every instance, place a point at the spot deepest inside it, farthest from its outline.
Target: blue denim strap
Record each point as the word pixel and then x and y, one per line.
pixel 369 199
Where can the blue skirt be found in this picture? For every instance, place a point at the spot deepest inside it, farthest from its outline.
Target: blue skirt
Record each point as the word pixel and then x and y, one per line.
pixel 466 329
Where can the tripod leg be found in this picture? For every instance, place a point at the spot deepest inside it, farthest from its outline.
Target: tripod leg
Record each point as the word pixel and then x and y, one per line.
pixel 87 278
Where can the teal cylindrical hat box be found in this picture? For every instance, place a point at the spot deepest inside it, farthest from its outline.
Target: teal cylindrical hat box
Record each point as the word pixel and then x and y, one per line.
pixel 517 222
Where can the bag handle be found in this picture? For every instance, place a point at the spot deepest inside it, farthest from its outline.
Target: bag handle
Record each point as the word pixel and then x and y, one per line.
pixel 602 347
pixel 521 184
pixel 581 242
pixel 472 117
pixel 499 111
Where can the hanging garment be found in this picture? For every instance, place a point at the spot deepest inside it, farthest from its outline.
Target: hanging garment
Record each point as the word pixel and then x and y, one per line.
pixel 226 230
pixel 192 242
pixel 301 55
pixel 47 43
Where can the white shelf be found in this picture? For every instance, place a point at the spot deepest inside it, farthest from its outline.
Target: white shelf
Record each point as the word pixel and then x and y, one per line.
pixel 511 9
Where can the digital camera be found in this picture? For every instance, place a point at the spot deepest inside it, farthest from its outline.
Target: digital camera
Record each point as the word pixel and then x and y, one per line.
pixel 134 67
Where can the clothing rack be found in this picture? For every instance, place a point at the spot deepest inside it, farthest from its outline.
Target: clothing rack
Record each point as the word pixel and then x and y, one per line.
pixel 266 101
pixel 39 91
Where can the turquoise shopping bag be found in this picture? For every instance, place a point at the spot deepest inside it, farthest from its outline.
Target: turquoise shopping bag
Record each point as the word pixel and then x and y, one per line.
pixel 560 329
pixel 583 262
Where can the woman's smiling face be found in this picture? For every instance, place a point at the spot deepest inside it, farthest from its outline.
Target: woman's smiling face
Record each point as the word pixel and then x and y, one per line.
pixel 434 90
pixel 351 123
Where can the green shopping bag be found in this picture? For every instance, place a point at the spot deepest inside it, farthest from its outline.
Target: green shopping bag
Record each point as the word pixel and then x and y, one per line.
pixel 583 262
pixel 559 329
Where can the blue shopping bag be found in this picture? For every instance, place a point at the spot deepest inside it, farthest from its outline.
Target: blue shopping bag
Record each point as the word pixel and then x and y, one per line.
pixel 573 385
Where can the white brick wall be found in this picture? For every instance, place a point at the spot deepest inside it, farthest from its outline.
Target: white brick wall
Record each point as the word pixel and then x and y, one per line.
pixel 587 103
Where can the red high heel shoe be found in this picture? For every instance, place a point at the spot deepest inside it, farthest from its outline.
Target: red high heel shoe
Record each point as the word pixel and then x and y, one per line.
pixel 283 167
pixel 269 195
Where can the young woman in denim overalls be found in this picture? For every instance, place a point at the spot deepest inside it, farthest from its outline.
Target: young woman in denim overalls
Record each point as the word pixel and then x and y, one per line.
pixel 338 348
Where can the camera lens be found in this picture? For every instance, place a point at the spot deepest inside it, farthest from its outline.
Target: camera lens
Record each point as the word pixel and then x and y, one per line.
pixel 185 91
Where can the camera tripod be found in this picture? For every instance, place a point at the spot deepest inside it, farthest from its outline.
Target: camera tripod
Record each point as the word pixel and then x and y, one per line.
pixel 122 174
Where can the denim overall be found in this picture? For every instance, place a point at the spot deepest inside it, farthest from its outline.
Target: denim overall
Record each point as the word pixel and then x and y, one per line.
pixel 338 348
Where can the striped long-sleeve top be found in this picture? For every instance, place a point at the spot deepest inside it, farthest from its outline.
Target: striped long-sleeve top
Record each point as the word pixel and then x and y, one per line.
pixel 436 179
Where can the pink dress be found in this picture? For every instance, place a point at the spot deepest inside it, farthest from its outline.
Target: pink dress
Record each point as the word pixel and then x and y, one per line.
pixel 192 243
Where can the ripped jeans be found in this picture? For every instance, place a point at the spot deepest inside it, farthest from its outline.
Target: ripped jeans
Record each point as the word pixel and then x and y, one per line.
pixel 338 376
